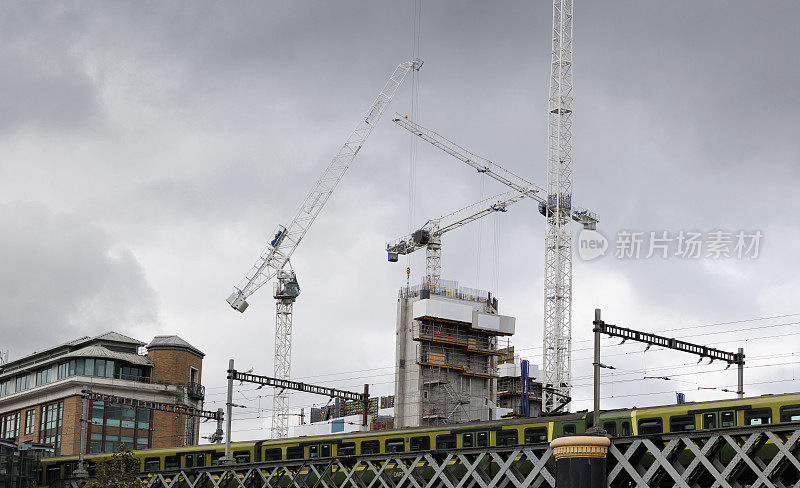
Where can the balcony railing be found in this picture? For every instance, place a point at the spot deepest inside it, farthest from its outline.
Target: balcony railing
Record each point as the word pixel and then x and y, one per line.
pixel 196 391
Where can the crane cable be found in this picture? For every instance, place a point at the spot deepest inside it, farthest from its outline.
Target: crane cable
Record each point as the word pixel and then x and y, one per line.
pixel 412 168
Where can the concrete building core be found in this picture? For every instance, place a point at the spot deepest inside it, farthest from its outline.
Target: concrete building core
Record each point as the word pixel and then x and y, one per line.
pixel 446 364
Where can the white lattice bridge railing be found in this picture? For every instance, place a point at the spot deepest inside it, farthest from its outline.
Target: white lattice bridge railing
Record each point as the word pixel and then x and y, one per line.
pixel 757 456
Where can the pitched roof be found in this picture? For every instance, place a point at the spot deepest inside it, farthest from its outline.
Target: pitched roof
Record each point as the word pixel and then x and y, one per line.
pixel 117 337
pixel 172 342
pixel 95 351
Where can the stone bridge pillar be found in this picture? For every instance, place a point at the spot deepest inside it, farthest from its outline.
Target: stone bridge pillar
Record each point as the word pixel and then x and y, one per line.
pixel 580 461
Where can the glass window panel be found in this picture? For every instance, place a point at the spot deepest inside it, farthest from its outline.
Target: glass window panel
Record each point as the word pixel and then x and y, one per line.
pixel 109 369
pixel 100 368
pixel 128 417
pixel 152 464
pixel 89 367
pixel 144 419
pixel 79 367
pixel 113 414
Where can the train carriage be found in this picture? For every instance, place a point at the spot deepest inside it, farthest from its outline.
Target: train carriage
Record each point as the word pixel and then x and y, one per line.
pixel 648 421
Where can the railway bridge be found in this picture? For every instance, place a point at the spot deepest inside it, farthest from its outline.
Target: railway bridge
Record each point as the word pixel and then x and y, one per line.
pixel 754 456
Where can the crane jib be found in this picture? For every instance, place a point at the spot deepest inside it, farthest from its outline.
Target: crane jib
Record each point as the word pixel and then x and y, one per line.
pixel 281 248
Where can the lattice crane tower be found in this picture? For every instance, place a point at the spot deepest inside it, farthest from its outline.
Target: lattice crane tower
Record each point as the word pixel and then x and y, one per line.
pixel 557 344
pixel 274 259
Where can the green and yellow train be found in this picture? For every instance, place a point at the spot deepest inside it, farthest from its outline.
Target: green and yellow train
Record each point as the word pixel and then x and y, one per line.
pixel 619 423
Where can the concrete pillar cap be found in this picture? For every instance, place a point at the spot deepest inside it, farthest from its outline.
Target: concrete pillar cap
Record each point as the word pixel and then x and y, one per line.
pixel 580 446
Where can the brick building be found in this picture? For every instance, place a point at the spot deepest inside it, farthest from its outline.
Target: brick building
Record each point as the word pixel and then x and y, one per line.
pixel 40 394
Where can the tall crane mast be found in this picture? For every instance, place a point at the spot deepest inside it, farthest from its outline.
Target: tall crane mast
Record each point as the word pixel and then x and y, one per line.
pixel 557 346
pixel 558 208
pixel 429 235
pixel 275 256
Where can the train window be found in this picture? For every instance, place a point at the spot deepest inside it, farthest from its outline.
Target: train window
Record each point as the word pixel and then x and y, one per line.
pixel 626 428
pixel 273 454
pixel 709 420
pixel 346 449
pixel 152 464
pixel 468 440
pixel 569 429
pixel 483 439
pixel 507 438
pixel 53 473
pixel 395 445
pixel 790 413
pixel 535 434
pixel 370 447
pixel 680 423
pixel 241 457
pixel 215 457
pixel 446 441
pixel 188 460
pixel 319 450
pixel 172 462
pixel 294 452
pixel 758 416
pixel 727 419
pixel 420 443
pixel 652 425
pixel 610 427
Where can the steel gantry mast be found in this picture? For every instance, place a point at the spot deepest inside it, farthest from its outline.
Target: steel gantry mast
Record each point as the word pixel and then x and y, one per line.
pixel 275 256
pixel 557 345
pixel 429 235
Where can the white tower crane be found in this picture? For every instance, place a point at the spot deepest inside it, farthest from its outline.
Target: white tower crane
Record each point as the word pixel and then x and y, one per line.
pixel 275 256
pixel 556 349
pixel 429 235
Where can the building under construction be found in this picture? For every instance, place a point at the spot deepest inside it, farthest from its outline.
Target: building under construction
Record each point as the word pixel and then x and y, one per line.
pixel 446 354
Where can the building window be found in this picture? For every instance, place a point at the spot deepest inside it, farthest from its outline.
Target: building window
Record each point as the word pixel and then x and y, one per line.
pixel 29 419
pixel 9 426
pixel 189 431
pixel 113 425
pixel 23 383
pixel 102 368
pixel 43 376
pixel 5 387
pixel 130 373
pixel 50 426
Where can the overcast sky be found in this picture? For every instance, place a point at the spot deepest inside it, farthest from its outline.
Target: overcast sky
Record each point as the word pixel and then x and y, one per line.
pixel 148 149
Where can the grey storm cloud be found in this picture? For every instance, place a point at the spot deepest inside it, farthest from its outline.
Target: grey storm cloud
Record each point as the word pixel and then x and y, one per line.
pixel 62 278
pixel 148 148
pixel 42 79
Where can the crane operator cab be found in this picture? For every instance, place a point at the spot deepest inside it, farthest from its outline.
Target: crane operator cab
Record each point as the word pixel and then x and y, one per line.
pixel 287 287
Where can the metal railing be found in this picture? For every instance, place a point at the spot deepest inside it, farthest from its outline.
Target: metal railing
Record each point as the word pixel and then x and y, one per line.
pixel 196 391
pixel 754 456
